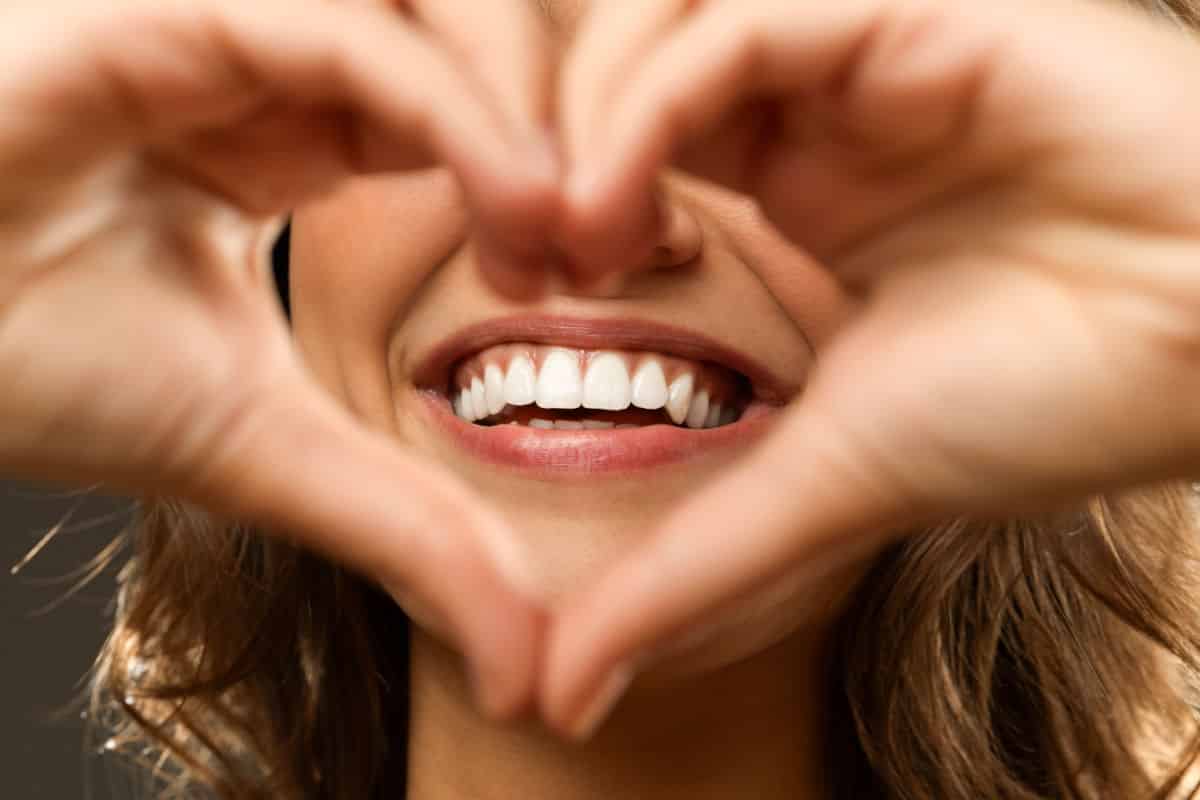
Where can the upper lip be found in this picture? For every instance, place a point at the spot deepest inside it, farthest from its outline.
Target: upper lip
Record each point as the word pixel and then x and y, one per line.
pixel 600 334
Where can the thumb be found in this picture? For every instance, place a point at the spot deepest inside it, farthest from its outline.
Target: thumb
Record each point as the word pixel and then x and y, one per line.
pixel 297 462
pixel 801 502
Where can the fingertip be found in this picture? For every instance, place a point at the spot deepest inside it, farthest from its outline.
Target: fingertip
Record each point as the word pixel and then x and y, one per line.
pixel 578 687
pixel 515 215
pixel 583 188
pixel 544 161
pixel 567 668
pixel 504 672
pixel 512 278
pixel 608 230
pixel 582 724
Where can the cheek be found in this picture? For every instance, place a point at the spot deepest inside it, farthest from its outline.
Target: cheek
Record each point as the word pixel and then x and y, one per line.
pixel 358 255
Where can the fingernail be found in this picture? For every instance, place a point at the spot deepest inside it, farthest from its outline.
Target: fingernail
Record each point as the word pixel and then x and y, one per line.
pixel 582 186
pixel 602 702
pixel 544 160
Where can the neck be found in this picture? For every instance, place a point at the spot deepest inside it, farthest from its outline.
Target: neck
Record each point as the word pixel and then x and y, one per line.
pixel 747 730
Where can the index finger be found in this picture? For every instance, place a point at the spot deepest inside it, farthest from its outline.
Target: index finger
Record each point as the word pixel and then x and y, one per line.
pixel 505 51
pixel 505 48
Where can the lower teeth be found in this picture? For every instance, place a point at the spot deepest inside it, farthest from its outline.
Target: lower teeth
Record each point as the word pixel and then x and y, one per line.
pixel 574 425
pixel 574 421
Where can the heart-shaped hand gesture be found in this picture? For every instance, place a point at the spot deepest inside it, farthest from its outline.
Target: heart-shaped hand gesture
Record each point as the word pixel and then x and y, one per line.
pixel 146 149
pixel 1029 308
pixel 1010 189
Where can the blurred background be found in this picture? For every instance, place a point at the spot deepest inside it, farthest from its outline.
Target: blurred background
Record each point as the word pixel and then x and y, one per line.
pixel 49 635
pixel 48 639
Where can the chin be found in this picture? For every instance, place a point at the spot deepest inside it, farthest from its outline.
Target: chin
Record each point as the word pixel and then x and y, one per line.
pixel 585 432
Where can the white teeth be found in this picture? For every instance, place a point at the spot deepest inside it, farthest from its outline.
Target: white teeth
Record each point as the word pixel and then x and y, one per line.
pixel 649 388
pixel 699 410
pixel 559 385
pixel 493 387
pixel 521 384
pixel 714 416
pixel 606 385
pixel 466 405
pixel 679 398
pixel 478 398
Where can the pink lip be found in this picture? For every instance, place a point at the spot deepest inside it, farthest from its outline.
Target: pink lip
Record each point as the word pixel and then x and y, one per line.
pixel 552 453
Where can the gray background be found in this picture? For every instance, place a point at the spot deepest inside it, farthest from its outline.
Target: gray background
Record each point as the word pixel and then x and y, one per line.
pixel 46 653
pixel 44 657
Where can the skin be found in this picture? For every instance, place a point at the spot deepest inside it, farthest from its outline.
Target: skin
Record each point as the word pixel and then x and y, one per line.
pixel 357 302
pixel 148 152
pixel 1029 220
pixel 1023 328
pixel 910 304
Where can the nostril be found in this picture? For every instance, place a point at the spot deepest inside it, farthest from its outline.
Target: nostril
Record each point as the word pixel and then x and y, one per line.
pixel 663 253
pixel 681 239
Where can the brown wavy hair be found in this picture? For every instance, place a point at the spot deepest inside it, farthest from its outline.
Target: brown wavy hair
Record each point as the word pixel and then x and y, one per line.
pixel 1043 657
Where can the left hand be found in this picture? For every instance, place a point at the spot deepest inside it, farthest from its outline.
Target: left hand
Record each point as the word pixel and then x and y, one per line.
pixel 1013 189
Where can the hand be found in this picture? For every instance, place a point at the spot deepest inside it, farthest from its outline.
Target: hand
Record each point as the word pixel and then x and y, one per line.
pixel 147 150
pixel 1012 190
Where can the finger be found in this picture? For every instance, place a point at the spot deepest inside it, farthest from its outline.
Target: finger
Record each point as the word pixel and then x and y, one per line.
pixel 693 566
pixel 500 48
pixel 704 69
pixel 933 87
pixel 506 49
pixel 612 39
pixel 696 75
pixel 382 64
pixel 209 65
pixel 299 464
pixel 520 278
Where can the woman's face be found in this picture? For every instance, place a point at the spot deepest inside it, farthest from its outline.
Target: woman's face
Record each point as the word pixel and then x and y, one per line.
pixel 393 316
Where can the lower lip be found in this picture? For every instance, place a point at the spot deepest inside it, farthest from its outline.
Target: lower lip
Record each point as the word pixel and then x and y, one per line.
pixel 590 452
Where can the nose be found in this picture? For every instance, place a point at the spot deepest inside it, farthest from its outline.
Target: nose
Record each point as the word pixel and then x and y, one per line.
pixel 681 238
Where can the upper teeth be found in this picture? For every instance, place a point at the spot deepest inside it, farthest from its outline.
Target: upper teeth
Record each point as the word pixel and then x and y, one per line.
pixel 605 384
pixel 559 384
pixel 649 386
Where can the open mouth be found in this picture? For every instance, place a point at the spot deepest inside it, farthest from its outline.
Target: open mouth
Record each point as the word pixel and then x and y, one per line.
pixel 561 388
pixel 566 396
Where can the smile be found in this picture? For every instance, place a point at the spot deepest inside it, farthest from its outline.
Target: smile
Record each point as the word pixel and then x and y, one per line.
pixel 554 387
pixel 562 395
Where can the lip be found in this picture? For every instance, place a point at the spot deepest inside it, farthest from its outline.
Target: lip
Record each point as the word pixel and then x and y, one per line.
pixel 616 334
pixel 555 453
pixel 563 454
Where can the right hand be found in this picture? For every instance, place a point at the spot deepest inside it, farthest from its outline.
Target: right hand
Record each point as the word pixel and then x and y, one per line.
pixel 148 150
